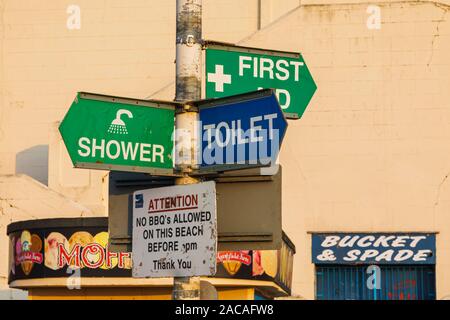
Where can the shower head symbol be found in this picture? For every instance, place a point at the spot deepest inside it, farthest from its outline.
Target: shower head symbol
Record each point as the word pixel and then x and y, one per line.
pixel 118 120
pixel 118 125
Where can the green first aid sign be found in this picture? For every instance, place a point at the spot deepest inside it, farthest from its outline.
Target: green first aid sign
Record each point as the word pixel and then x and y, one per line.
pixel 113 133
pixel 232 70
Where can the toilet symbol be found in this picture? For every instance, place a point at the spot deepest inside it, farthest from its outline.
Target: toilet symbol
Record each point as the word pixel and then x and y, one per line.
pixel 118 126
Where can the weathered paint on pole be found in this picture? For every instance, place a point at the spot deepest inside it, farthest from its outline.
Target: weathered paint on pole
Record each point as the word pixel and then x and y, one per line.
pixel 189 50
pixel 188 87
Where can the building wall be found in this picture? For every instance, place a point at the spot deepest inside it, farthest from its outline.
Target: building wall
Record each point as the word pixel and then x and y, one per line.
pixel 273 10
pixel 371 152
pixel 2 49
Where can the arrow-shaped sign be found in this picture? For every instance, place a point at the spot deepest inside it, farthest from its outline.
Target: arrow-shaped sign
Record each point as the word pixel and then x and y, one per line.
pixel 112 133
pixel 234 69
pixel 240 131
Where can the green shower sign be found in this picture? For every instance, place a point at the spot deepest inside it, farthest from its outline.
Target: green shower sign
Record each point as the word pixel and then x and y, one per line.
pixel 113 133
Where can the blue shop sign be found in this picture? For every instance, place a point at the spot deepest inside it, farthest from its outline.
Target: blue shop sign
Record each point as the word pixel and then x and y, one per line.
pixel 373 248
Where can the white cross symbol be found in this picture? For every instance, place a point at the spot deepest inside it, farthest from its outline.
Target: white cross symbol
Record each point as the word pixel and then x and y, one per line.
pixel 219 78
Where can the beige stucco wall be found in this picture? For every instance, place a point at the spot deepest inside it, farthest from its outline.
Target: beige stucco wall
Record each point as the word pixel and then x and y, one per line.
pixel 370 154
pixel 372 151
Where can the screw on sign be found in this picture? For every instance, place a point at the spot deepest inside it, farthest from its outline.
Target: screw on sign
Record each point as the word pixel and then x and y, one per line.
pixel 232 70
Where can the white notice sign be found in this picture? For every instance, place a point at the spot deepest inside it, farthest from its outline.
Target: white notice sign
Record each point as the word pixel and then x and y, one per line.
pixel 174 231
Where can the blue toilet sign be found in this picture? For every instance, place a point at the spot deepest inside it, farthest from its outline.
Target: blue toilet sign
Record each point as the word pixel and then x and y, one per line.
pixel 241 131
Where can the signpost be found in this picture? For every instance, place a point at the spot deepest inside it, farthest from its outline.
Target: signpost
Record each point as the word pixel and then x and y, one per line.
pixel 240 131
pixel 232 70
pixel 112 133
pixel 188 87
pixel 174 231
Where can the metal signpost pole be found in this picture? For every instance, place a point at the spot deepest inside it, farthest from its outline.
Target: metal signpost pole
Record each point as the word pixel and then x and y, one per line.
pixel 188 88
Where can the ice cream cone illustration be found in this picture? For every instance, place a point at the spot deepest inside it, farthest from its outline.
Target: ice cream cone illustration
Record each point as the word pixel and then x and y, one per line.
pixel 27 266
pixel 52 242
pixel 269 262
pixel 102 239
pixel 233 260
pixel 232 267
pixel 257 268
pixel 29 248
pixel 81 238
pixel 36 243
pixel 25 239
